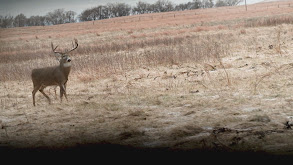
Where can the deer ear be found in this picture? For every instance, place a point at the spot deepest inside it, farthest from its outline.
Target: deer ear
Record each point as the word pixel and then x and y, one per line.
pixel 58 56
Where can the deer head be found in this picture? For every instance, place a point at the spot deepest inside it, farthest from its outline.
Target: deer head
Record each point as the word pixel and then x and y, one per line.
pixel 63 57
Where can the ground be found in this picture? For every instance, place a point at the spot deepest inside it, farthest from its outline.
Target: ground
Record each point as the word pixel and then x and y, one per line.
pixel 239 102
pixel 155 108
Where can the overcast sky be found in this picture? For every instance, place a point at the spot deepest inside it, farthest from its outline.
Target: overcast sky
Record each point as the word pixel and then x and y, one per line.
pixel 41 7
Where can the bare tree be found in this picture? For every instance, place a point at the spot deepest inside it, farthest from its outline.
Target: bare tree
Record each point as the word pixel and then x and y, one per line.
pixel 86 15
pixel 118 9
pixel 100 12
pixel 58 16
pixel 207 4
pixel 181 7
pixel 104 12
pixel 197 4
pixel 163 6
pixel 220 3
pixel 36 21
pixel 96 13
pixel 70 16
pixel 233 2
pixel 20 20
pixel 6 21
pixel 141 8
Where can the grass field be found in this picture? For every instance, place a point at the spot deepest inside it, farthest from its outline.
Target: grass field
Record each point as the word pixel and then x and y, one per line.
pixel 210 79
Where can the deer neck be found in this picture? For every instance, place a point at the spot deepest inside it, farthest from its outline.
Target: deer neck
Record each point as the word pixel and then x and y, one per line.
pixel 65 68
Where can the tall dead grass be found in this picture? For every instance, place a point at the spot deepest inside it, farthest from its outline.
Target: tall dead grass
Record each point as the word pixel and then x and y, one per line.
pixel 269 21
pixel 102 60
pixel 106 48
pixel 168 51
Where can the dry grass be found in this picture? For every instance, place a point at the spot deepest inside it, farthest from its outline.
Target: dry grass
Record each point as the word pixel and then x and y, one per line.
pixel 192 83
pixel 119 43
pixel 113 57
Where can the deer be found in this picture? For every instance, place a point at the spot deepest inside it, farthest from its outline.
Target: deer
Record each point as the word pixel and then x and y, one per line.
pixel 53 76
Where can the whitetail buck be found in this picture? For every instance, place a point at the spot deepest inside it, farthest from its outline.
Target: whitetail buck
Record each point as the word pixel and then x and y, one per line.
pixel 52 76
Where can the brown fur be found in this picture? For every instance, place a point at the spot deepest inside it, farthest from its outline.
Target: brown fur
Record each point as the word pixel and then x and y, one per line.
pixel 52 76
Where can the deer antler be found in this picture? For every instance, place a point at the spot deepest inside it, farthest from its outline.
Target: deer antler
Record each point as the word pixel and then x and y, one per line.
pixel 74 46
pixel 53 49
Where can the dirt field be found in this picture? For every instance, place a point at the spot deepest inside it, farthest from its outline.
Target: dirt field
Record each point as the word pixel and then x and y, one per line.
pixel 239 102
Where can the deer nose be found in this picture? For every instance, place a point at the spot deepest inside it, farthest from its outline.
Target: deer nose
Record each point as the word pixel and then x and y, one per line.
pixel 69 60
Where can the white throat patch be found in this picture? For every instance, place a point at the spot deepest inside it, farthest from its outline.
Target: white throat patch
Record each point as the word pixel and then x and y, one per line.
pixel 68 64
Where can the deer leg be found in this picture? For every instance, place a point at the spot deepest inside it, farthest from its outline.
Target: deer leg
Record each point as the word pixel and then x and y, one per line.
pixel 65 94
pixel 55 92
pixel 61 92
pixel 42 91
pixel 36 88
pixel 65 84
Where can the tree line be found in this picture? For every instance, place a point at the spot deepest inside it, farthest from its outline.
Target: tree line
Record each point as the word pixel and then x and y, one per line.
pixel 58 16
pixel 111 10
